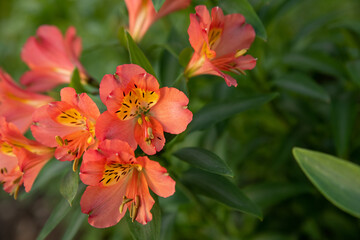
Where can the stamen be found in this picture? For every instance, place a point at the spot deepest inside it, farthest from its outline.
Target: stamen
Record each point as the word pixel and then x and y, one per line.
pixel 125 201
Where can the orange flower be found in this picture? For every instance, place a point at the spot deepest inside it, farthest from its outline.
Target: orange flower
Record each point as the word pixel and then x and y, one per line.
pixel 17 104
pixel 68 125
pixel 138 111
pixel 119 182
pixel 220 44
pixel 51 58
pixel 142 14
pixel 21 159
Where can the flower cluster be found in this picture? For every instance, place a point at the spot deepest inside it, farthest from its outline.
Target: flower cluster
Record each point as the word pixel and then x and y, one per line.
pixel 138 113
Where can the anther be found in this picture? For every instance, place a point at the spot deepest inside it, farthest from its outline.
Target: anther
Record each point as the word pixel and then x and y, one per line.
pixel 150 132
pixel 240 53
pixel 75 164
pixel 140 121
pixel 89 140
pixel 59 141
pixel 134 208
pixel 147 119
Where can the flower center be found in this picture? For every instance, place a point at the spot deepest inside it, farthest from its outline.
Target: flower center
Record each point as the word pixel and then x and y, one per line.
pixel 71 118
pixel 213 38
pixel 115 171
pixel 136 102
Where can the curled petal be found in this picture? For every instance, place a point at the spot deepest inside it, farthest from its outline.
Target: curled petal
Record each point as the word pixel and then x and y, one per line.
pixel 149 135
pixel 138 186
pixel 171 110
pixel 157 178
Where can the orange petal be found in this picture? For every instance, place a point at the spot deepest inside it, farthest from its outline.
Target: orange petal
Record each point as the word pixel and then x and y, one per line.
pixel 109 126
pixel 157 178
pixel 102 205
pixel 171 110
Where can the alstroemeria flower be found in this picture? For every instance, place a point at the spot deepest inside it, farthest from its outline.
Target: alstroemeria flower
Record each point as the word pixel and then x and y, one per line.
pixel 16 104
pixel 51 58
pixel 142 14
pixel 138 112
pixel 68 125
pixel 21 159
pixel 220 44
pixel 119 181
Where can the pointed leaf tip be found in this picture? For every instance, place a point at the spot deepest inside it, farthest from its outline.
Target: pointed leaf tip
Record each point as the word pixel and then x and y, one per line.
pixel 338 180
pixel 205 160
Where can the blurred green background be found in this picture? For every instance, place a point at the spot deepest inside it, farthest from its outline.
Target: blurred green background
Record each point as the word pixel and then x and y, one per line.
pixel 311 58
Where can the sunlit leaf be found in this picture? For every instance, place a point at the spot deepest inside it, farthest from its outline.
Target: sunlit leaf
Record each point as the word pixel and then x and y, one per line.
pixel 55 218
pixel 338 180
pixel 245 8
pixel 204 159
pixel 135 53
pixel 149 231
pixel 69 185
pixel 220 111
pixel 221 189
pixel 304 85
pixel 75 81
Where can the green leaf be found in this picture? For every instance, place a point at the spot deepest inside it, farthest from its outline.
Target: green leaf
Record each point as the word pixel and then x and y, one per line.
pixel 149 231
pixel 343 116
pixel 185 56
pixel 245 8
pixel 220 111
pixel 69 185
pixel 135 53
pixel 205 160
pixel 98 102
pixel 302 84
pixel 55 218
pixel 74 225
pixel 158 4
pixel 338 180
pixel 221 189
pixel 76 82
